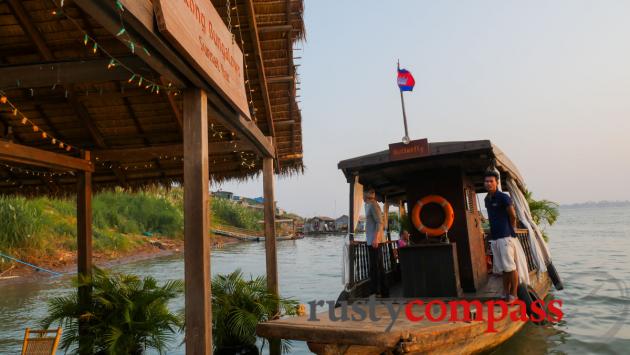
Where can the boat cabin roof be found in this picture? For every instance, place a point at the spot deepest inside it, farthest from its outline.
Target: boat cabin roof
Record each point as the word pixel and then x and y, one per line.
pixel 388 176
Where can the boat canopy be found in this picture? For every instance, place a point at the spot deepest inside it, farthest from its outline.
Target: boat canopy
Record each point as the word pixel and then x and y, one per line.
pixel 387 176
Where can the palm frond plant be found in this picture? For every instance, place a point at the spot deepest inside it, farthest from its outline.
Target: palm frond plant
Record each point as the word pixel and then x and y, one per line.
pixel 238 305
pixel 127 315
pixel 544 212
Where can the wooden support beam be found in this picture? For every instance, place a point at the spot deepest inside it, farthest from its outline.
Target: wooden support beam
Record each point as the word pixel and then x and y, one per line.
pixel 38 157
pixel 270 239
pixel 46 74
pixel 84 243
pixel 155 152
pixel 140 130
pixel 245 127
pixel 291 156
pixel 176 111
pixel 51 128
pixel 51 184
pixel 279 28
pixel 140 13
pixel 31 31
pixel 280 79
pixel 165 61
pixel 291 73
pixel 270 227
pixel 84 116
pixel 260 64
pixel 196 238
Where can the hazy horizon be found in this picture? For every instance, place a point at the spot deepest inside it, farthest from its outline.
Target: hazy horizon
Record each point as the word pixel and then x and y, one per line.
pixel 548 82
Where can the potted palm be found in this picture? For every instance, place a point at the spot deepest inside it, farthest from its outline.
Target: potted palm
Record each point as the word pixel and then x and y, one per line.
pixel 238 305
pixel 127 314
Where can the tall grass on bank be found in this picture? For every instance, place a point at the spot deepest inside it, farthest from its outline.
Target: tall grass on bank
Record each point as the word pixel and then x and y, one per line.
pixel 22 220
pixel 223 211
pixel 230 213
pixel 33 228
pixel 137 213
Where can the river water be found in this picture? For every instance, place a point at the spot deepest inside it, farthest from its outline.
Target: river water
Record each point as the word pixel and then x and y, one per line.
pixel 590 248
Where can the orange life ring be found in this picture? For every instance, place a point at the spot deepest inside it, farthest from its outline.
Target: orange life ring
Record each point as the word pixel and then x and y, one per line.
pixel 448 213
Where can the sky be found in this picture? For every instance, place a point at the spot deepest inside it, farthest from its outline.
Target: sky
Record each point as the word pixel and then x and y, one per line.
pixel 547 81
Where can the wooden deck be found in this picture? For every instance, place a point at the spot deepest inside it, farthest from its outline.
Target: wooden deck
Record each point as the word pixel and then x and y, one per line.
pixel 328 336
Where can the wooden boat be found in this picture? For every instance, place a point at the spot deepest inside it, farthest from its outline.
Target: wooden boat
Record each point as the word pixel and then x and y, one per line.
pixel 451 267
pixel 250 235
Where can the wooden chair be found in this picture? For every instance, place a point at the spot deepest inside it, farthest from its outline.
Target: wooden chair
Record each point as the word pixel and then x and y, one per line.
pixel 38 342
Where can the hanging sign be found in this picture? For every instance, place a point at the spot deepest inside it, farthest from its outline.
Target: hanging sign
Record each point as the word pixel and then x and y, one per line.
pixel 197 31
pixel 415 149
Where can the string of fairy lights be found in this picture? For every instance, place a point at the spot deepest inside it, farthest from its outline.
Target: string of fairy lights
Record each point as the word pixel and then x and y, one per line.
pixel 89 41
pixel 247 160
pixel 21 117
pixel 42 173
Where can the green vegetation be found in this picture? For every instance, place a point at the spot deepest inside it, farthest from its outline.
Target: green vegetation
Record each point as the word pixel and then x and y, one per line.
pixel 229 213
pixel 22 220
pixel 137 213
pixel 40 228
pixel 127 315
pixel 544 212
pixel 238 305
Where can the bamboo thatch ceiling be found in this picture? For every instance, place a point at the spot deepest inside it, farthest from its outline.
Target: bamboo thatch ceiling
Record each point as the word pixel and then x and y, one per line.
pixel 77 100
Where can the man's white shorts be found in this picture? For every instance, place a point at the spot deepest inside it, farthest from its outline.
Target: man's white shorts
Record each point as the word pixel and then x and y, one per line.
pixel 503 254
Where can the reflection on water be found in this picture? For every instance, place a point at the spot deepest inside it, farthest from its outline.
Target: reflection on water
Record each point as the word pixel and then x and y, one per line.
pixel 590 248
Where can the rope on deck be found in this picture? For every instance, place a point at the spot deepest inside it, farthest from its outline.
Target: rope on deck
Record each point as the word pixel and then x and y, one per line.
pixel 54 273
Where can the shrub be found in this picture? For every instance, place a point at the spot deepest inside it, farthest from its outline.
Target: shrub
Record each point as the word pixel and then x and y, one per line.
pixel 127 315
pixel 238 305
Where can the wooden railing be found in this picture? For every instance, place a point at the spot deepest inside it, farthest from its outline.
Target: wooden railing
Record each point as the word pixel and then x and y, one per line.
pixel 360 260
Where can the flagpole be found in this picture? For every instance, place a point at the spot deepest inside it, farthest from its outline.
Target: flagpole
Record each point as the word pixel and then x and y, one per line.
pixel 402 101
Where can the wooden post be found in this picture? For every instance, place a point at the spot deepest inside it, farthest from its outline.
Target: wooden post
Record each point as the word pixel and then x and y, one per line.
pixel 351 228
pixel 386 221
pixel 196 242
pixel 270 226
pixel 270 239
pixel 84 243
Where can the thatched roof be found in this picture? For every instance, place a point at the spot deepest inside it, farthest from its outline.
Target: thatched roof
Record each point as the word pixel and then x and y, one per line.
pixel 102 112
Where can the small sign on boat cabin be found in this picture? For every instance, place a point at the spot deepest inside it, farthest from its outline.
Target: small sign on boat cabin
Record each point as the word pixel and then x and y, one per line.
pixel 415 149
pixel 196 29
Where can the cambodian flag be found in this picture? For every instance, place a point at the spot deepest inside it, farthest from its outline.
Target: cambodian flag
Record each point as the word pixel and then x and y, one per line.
pixel 405 80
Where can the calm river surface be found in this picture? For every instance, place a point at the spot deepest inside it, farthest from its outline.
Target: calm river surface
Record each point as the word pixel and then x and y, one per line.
pixel 590 247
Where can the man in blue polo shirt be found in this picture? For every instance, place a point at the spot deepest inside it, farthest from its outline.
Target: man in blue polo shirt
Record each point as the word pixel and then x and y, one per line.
pixel 502 217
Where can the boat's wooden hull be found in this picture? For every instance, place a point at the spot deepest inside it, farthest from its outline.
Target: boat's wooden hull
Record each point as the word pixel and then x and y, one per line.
pixel 328 337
